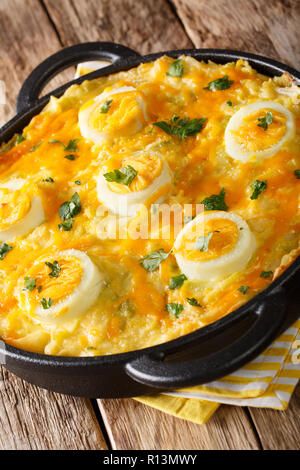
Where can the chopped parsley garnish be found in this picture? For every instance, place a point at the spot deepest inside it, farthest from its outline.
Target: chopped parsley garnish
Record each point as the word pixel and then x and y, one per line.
pixel 153 260
pixel 78 182
pixel 219 84
pixel 30 283
pixel 39 288
pixel 174 308
pixel 216 202
pixel 176 69
pixel 297 174
pixel 243 289
pixel 258 187
pixel 188 218
pixel 185 127
pixel 106 106
pixel 55 269
pixel 20 139
pixel 68 210
pixel 122 176
pixel 193 301
pixel 4 249
pixel 48 180
pixel 35 147
pixel 177 281
pixel 265 121
pixel 265 274
pixel 71 147
pixel 203 242
pixel 229 103
pixel 46 303
pixel 66 226
pixel 70 156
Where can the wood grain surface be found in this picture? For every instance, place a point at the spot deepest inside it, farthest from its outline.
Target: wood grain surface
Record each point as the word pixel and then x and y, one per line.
pixel 132 425
pixel 268 28
pixel 31 30
pixel 32 418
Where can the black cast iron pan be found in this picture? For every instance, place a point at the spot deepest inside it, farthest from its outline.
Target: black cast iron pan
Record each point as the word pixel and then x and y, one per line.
pixel 199 357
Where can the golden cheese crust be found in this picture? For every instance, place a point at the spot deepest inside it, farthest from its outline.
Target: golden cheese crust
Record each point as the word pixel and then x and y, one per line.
pixel 109 299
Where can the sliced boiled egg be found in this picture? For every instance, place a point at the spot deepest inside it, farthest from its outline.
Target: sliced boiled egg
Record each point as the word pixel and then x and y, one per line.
pixel 114 113
pixel 214 245
pixel 151 183
pixel 20 211
pixel 60 287
pixel 248 138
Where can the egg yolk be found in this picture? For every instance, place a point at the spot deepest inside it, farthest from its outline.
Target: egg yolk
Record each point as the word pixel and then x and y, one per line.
pixel 123 117
pixel 252 137
pixel 148 168
pixel 14 205
pixel 56 288
pixel 223 235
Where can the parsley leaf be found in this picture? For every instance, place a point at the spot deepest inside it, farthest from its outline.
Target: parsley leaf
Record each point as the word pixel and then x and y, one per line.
pixel 106 106
pixel 55 269
pixel 71 147
pixel 174 308
pixel 215 202
pixel 122 176
pixel 66 226
pixel 265 274
pixel 46 303
pixel 243 289
pixel 153 260
pixel 33 149
pixel 4 249
pixel 77 182
pixel 258 187
pixel 176 69
pixel 264 122
pixel 229 103
pixel 30 283
pixel 193 301
pixel 177 281
pixel 219 84
pixel 49 180
pixel 203 242
pixel 182 127
pixel 20 139
pixel 70 157
pixel 297 174
pixel 69 209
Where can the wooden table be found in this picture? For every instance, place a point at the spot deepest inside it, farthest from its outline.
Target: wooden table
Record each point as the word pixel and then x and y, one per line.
pixel 31 30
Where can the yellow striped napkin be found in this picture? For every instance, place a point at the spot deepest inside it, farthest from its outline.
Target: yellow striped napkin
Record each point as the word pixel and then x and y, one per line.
pixel 266 382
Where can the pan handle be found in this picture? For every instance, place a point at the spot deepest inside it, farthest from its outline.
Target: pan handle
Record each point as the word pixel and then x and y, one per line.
pixel 63 59
pixel 152 371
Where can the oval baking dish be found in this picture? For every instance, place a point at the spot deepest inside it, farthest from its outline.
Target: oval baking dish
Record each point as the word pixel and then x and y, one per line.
pixel 196 358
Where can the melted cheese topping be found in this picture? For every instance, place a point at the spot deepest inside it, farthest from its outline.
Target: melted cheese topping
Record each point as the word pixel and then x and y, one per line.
pixel 103 300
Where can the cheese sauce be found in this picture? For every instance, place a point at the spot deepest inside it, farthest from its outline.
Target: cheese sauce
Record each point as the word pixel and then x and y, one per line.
pixel 160 135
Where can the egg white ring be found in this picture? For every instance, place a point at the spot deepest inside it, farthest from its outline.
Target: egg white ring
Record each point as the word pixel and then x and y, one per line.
pixel 83 296
pixel 127 205
pixel 234 149
pixel 224 265
pixel 96 136
pixel 34 217
pixel 14 184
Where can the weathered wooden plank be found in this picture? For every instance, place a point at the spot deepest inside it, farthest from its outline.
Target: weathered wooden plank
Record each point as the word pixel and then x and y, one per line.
pixel 132 425
pixel 32 418
pixel 269 28
pixel 26 38
pixel 279 430
pixel 144 26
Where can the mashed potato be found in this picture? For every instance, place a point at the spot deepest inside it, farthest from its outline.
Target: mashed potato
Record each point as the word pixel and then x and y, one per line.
pixel 96 268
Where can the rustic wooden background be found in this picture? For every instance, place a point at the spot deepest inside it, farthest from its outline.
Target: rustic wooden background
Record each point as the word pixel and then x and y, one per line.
pixel 31 30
